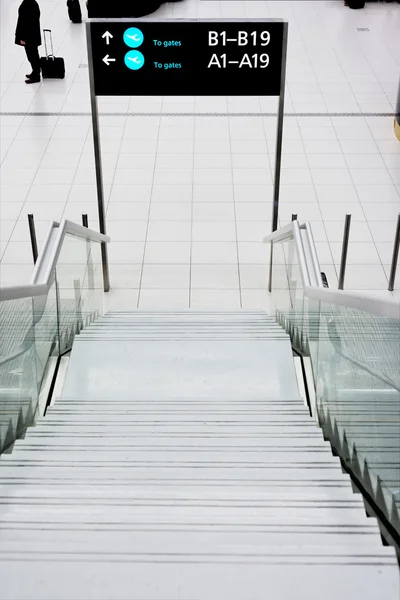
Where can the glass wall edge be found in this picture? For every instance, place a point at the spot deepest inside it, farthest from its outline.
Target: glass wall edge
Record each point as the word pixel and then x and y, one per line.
pixel 17 292
pixel 371 304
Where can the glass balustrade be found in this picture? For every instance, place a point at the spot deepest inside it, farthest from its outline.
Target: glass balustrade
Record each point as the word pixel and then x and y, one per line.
pixel 36 330
pixel 355 360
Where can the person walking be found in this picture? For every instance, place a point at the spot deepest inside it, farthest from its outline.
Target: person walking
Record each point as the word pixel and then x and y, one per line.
pixel 28 35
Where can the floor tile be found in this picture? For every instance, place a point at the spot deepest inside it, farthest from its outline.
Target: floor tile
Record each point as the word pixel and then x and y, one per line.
pixel 336 211
pixel 165 276
pixel 378 193
pixel 382 211
pixel 130 211
pixel 214 253
pixel 223 299
pixel 370 177
pixel 126 252
pixel 18 253
pixel 359 231
pixel 214 211
pixel 253 211
pixel 125 276
pixel 169 231
pixel 167 252
pixel 358 253
pixel 365 277
pixel 209 276
pixel 15 274
pixel 383 231
pixel 170 211
pixel 161 298
pixel 125 193
pixel 214 231
pixel 127 231
pixel 121 299
pixel 336 193
pixel 49 193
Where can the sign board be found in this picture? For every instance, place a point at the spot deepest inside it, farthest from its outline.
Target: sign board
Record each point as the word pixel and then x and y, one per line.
pixel 187 58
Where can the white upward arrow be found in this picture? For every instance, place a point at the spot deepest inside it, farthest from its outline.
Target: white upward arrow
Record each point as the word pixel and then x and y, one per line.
pixel 108 60
pixel 108 37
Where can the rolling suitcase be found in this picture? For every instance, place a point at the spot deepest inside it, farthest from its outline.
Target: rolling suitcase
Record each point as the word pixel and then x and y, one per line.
pixel 52 67
pixel 74 11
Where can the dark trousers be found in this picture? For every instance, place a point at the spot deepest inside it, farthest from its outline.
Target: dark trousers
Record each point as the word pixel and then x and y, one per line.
pixel 32 54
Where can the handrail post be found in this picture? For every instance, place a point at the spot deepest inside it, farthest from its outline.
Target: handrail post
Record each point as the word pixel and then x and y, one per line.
pixel 278 150
pixel 78 305
pixel 97 159
pixel 91 285
pixel 271 260
pixel 32 233
pixel 395 256
pixel 345 246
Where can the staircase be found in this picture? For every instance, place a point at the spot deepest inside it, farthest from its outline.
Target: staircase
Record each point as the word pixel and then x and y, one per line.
pixel 181 463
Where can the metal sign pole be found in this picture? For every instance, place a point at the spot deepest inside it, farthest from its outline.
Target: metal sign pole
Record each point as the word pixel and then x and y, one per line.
pixel 278 149
pixel 97 158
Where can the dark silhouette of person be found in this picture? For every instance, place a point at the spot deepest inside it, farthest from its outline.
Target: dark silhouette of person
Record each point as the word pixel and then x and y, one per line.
pixel 28 35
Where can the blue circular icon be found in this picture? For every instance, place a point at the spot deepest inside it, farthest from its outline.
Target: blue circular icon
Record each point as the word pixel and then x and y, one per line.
pixel 133 37
pixel 134 60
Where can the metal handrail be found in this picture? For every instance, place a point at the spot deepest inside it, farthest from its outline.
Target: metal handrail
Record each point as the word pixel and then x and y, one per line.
pixel 364 302
pixel 43 273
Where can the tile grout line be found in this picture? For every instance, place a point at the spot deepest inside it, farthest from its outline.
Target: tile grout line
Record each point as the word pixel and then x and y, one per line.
pixel 367 220
pixel 316 196
pixel 358 196
pixel 197 114
pixel 17 219
pixel 31 184
pixel 192 214
pixel 149 212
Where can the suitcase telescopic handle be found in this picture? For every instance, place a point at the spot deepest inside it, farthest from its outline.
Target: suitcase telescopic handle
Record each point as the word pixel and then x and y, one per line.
pixel 45 42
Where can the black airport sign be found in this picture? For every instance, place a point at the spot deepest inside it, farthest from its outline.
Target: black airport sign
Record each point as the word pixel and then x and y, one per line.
pixel 187 58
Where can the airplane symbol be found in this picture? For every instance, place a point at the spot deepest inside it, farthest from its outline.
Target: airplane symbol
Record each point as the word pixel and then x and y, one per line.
pixel 134 60
pixel 133 37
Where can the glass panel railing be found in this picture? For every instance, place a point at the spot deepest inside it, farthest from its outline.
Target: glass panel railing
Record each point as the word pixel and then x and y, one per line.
pixel 18 370
pixel 45 331
pixel 35 331
pixel 358 392
pixel 80 287
pixel 355 358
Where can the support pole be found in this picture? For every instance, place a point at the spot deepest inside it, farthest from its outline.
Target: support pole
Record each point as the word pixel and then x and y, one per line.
pixel 278 151
pixel 97 158
pixel 395 256
pixel 32 233
pixel 345 245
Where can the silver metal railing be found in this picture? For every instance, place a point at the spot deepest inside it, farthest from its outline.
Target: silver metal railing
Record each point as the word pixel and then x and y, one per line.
pixel 44 269
pixel 310 272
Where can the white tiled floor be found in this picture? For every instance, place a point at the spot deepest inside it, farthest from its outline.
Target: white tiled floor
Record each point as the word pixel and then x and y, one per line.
pixel 187 220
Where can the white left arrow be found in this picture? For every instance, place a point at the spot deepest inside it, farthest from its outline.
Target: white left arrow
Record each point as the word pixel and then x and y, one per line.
pixel 108 60
pixel 108 37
